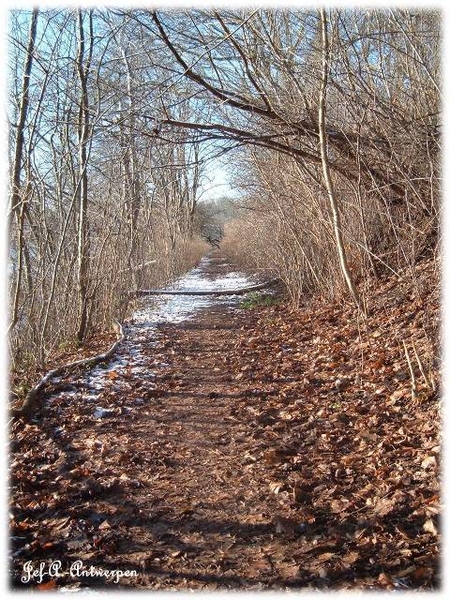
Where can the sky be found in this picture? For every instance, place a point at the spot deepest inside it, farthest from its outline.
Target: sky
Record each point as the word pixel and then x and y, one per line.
pixel 218 184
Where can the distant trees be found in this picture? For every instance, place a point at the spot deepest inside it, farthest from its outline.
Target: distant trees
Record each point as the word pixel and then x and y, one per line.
pixel 211 219
pixel 335 132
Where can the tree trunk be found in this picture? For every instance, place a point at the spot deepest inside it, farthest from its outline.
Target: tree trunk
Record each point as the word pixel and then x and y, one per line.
pixel 17 201
pixel 83 139
pixel 334 204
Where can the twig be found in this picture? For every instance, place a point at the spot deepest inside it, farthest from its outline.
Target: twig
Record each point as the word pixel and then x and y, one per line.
pixel 411 370
pixel 430 384
pixel 136 267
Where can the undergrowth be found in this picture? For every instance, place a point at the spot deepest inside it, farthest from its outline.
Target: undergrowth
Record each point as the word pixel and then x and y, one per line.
pixel 259 299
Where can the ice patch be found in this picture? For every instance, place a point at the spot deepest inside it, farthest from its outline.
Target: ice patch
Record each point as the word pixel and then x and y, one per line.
pixel 175 309
pixel 142 332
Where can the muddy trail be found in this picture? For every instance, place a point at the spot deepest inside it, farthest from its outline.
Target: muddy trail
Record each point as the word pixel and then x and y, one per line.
pixel 175 467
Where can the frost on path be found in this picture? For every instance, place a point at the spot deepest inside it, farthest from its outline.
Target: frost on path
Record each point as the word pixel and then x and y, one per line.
pixel 174 309
pixel 141 330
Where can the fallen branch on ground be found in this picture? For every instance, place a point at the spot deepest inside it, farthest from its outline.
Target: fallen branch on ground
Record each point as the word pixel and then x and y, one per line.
pixel 238 291
pixel 33 395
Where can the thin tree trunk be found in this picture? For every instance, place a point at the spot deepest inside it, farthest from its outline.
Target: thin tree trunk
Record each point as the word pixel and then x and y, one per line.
pixel 20 256
pixel 83 138
pixel 367 244
pixel 334 204
pixel 17 202
pixel 23 113
pixel 132 177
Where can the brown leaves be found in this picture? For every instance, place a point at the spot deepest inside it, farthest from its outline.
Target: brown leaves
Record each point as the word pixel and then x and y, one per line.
pixel 286 454
pixel 287 526
pixel 429 461
pixel 276 456
pixel 382 506
pixel 385 581
pixel 45 587
pixel 349 559
pixel 365 453
pixel 430 527
pixel 300 495
pixel 276 487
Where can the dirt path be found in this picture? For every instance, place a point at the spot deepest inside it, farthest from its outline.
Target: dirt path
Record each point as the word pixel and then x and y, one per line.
pixel 212 523
pixel 163 481
pixel 229 451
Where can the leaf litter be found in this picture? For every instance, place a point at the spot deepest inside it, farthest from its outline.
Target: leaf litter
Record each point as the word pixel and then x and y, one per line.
pixel 231 449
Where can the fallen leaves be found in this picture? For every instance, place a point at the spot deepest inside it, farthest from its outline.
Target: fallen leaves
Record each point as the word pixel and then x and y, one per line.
pixel 276 456
pixel 45 587
pixel 430 527
pixel 301 462
pixel 276 487
pixel 287 526
pixel 429 461
pixel 366 451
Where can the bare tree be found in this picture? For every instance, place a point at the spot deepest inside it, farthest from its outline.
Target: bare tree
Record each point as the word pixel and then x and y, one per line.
pixel 84 59
pixel 334 205
pixel 18 197
pixel 121 110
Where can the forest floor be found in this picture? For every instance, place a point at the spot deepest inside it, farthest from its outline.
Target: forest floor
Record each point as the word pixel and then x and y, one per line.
pixel 247 449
